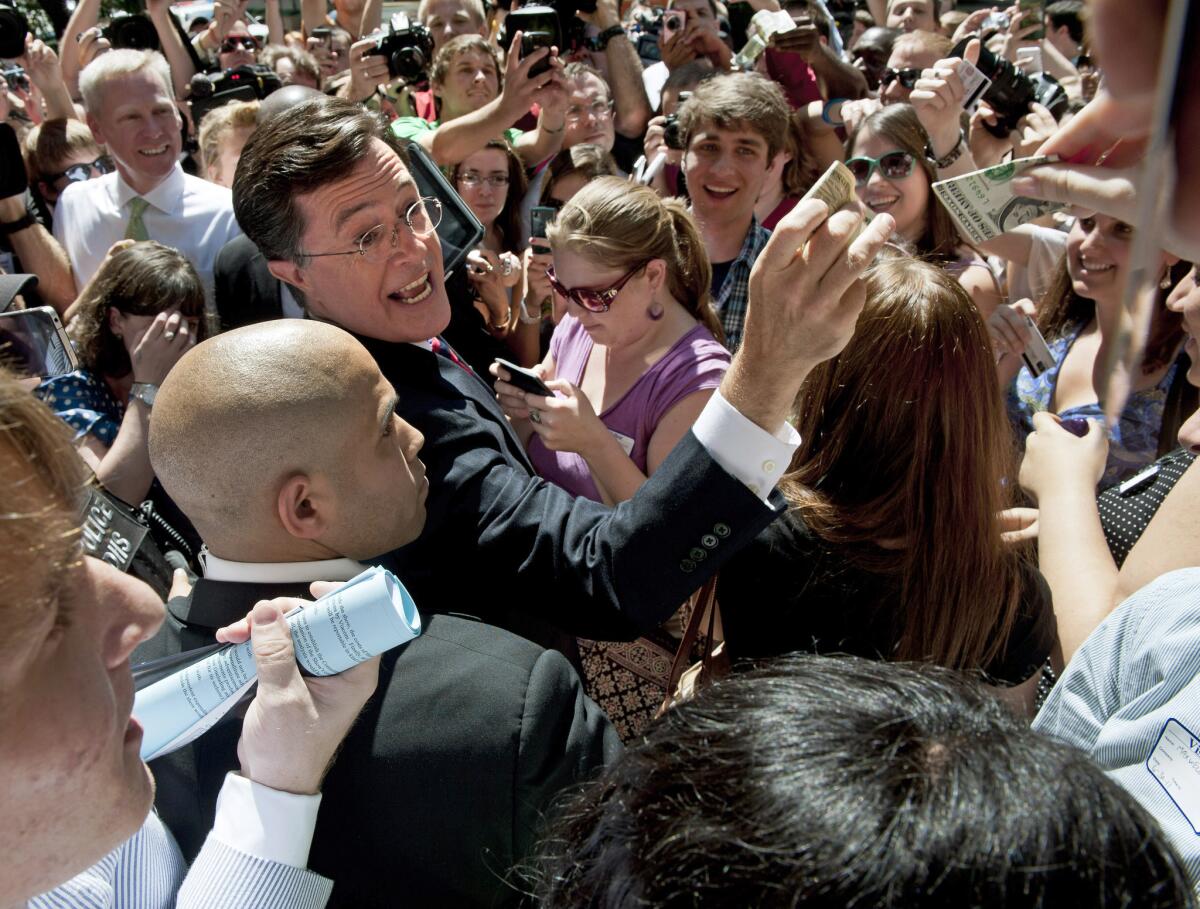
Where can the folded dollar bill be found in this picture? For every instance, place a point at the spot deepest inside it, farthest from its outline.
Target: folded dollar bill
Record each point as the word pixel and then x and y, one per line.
pixel 983 205
pixel 835 187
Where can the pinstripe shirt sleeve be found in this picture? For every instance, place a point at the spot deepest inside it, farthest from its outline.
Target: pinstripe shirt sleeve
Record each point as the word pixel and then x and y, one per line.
pixel 224 878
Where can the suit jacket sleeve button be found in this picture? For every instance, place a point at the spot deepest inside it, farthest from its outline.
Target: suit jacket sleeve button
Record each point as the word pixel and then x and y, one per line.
pixel 708 541
pixel 697 554
pixel 687 566
pixel 721 530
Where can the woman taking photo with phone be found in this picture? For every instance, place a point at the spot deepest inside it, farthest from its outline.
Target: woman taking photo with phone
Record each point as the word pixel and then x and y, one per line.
pixel 632 364
pixel 636 357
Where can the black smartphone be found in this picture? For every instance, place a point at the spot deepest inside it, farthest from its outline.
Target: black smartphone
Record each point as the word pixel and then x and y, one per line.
pixel 531 42
pixel 539 27
pixel 323 34
pixel 459 231
pixel 525 379
pixel 539 217
pixel 34 345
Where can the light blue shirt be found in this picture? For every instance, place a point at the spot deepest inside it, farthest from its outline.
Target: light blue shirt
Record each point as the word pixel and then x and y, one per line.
pixel 1130 698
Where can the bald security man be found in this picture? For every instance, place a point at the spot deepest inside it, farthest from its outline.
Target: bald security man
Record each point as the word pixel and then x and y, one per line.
pixel 281 443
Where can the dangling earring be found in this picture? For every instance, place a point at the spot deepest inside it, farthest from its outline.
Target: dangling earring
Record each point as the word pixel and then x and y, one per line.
pixel 655 311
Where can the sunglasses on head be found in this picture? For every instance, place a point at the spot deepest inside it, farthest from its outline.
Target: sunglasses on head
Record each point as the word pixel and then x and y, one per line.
pixel 597 299
pixel 78 172
pixel 895 165
pixel 245 42
pixel 908 77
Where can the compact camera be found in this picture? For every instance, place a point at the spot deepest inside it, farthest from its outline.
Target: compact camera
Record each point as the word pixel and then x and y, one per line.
pixel 408 49
pixel 15 76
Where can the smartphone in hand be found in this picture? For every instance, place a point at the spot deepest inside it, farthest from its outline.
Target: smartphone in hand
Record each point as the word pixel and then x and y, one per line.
pixel 525 379
pixel 33 344
pixel 1037 355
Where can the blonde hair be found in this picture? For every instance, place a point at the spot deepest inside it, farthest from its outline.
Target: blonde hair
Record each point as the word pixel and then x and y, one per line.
pixel 620 225
pixel 117 63
pixel 219 123
pixel 474 7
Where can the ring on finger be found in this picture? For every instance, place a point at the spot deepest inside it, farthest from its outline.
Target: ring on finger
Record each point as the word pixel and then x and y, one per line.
pixel 169 335
pixel 535 416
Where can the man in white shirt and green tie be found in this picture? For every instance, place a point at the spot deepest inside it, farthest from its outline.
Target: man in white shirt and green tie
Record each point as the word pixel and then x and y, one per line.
pixel 131 109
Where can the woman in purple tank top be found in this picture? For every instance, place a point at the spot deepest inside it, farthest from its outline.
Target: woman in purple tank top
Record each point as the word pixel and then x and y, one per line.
pixel 631 364
pixel 637 355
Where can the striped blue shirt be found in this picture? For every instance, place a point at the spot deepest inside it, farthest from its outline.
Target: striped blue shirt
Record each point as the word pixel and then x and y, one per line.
pixel 1130 698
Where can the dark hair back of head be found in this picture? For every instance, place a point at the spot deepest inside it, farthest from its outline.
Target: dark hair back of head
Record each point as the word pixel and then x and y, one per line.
pixel 842 782
pixel 297 151
pixel 1069 13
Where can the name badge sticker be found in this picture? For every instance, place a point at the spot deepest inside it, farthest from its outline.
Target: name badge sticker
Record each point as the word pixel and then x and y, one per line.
pixel 1174 762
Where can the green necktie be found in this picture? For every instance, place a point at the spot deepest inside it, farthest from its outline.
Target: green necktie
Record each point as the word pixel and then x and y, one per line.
pixel 137 227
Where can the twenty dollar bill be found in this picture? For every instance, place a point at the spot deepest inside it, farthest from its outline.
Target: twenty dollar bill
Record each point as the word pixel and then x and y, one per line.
pixel 983 205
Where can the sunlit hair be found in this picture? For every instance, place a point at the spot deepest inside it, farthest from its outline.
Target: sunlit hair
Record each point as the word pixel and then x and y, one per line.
pixel 619 225
pixel 142 280
pixel 41 480
pixel 904 438
pixel 474 7
pixel 898 123
pixel 932 43
pixel 745 101
pixel 460 44
pixel 508 222
pixel 118 63
pixel 302 60
pixel 219 123
pixel 585 159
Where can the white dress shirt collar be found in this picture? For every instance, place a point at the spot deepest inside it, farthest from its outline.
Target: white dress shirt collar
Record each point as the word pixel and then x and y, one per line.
pixel 218 569
pixel 167 197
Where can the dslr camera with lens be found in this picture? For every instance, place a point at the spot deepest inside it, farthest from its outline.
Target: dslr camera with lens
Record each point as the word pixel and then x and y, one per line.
pixel 1012 92
pixel 133 31
pixel 570 33
pixel 242 83
pixel 13 29
pixel 408 49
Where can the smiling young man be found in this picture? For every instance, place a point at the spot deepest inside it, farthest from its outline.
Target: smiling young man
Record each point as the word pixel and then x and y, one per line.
pixel 131 110
pixel 733 127
pixel 331 206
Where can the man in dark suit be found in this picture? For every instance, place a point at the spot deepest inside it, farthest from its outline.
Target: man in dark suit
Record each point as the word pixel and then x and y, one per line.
pixel 326 196
pixel 282 444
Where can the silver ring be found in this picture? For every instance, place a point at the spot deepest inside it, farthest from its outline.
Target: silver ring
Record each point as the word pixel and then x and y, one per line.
pixel 506 267
pixel 536 416
pixel 169 335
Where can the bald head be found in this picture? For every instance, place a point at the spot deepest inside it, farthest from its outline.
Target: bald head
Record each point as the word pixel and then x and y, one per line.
pixel 243 411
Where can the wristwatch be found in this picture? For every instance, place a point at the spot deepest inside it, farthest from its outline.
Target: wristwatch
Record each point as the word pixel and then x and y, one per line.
pixel 602 39
pixel 951 156
pixel 144 392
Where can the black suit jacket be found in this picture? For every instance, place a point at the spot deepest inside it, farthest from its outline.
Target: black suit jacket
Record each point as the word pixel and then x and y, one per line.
pixel 522 553
pixel 438 789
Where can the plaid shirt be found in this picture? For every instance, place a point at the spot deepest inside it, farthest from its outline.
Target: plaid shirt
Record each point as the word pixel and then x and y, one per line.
pixel 734 296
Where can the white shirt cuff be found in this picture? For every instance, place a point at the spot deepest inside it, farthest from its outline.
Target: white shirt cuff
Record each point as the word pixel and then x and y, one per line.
pixel 264 822
pixel 744 449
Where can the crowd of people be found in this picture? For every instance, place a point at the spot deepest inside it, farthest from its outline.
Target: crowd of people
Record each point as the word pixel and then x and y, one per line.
pixel 661 406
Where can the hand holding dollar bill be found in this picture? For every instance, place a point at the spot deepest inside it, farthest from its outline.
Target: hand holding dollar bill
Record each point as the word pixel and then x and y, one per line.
pixel 983 204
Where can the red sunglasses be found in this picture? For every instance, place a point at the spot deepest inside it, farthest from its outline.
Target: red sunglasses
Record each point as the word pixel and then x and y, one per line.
pixel 597 299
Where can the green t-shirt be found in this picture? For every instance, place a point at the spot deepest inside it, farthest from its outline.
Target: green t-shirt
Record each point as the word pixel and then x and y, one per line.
pixel 413 127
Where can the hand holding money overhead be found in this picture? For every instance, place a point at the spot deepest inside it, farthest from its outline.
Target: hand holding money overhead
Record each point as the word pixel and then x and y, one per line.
pixel 805 297
pixel 942 93
pixel 984 205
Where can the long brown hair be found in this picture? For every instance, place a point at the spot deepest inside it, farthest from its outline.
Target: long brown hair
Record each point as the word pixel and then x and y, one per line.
pixel 619 224
pixel 940 240
pixel 1061 307
pixel 905 439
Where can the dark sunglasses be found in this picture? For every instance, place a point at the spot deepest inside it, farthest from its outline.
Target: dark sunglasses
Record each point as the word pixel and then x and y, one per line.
pixel 79 172
pixel 908 77
pixel 246 42
pixel 895 165
pixel 597 299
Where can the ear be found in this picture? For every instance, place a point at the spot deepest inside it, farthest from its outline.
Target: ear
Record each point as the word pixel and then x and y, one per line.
pixel 656 273
pixel 116 321
pixel 288 272
pixel 298 507
pixel 97 133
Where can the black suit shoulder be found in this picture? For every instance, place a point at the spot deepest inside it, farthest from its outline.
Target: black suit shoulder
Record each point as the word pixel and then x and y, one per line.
pixel 244 289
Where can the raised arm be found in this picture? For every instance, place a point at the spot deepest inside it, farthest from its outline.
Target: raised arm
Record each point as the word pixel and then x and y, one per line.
pixel 86 14
pixel 182 65
pixel 631 107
